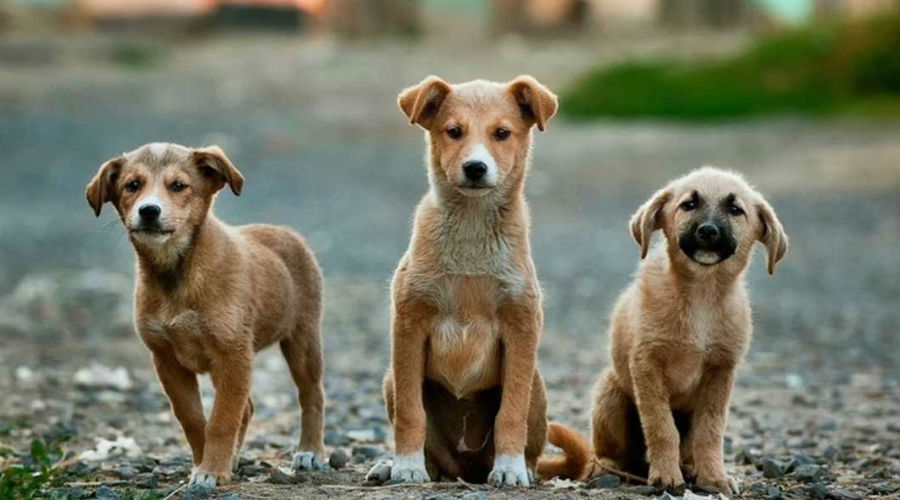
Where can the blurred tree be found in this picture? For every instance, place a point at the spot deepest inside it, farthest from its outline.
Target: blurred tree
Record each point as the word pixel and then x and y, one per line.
pixel 373 17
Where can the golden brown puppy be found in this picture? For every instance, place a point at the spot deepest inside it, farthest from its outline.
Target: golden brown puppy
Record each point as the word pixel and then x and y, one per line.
pixel 463 393
pixel 208 296
pixel 680 330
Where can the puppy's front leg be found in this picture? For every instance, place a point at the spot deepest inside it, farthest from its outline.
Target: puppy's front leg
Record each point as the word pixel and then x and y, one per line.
pixel 180 386
pixel 708 427
pixel 231 378
pixel 409 329
pixel 520 330
pixel 660 433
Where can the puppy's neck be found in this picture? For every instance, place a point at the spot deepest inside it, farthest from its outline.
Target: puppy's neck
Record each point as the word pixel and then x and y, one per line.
pixel 699 284
pixel 168 265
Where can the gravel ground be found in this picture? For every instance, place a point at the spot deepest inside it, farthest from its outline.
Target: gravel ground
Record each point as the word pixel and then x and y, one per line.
pixel 815 413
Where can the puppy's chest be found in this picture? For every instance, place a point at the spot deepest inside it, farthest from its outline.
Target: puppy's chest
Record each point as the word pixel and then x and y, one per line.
pixel 463 341
pixel 184 333
pixel 468 246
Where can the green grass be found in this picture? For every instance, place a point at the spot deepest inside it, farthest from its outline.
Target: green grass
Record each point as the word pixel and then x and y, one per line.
pixel 29 478
pixel 839 69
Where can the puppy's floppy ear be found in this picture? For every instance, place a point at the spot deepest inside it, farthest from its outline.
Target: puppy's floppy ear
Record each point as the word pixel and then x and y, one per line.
pixel 420 103
pixel 535 100
pixel 213 163
pixel 771 234
pixel 648 219
pixel 102 187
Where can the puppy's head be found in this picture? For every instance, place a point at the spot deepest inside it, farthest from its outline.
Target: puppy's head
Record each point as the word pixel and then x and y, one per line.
pixel 162 192
pixel 479 131
pixel 711 218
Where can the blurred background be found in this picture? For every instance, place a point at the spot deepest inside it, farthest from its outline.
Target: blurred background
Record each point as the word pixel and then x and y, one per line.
pixel 802 96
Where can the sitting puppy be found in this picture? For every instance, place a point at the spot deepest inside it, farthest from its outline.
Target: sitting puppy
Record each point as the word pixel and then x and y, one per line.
pixel 680 330
pixel 463 392
pixel 208 296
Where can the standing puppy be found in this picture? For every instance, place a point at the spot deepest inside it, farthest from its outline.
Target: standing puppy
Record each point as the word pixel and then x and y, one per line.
pixel 463 393
pixel 680 330
pixel 208 296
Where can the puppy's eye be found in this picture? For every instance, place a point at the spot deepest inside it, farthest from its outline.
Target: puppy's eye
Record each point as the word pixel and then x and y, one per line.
pixel 689 205
pixel 132 186
pixel 735 210
pixel 178 186
pixel 501 134
pixel 454 132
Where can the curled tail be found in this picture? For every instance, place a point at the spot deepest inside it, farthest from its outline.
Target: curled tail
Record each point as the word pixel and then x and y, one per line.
pixel 576 454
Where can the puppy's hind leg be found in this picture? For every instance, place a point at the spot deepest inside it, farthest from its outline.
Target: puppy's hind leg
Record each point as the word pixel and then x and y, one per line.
pixel 248 415
pixel 304 358
pixel 609 426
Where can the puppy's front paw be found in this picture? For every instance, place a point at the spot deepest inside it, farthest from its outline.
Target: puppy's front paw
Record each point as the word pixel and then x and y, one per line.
pixel 305 461
pixel 720 484
pixel 208 479
pixel 409 469
pixel 667 478
pixel 509 470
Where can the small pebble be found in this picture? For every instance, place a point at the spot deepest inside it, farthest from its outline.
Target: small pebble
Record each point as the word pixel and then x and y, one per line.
pixel 605 481
pixel 195 492
pixel 841 494
pixel 474 495
pixel 772 468
pixel 277 476
pixel 338 459
pixel 106 493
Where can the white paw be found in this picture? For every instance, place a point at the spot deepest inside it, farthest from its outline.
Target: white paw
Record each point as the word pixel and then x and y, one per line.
pixel 509 470
pixel 203 479
pixel 305 460
pixel 409 468
pixel 380 472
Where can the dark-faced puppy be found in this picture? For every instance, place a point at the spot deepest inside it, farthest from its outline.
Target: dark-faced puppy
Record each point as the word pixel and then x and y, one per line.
pixel 208 296
pixel 463 392
pixel 680 330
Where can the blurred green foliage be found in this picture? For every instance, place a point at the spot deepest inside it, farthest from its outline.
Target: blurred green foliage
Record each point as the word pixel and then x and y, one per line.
pixel 844 68
pixel 29 478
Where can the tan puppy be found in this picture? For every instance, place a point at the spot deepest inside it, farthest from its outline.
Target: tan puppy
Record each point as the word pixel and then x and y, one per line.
pixel 463 393
pixel 208 296
pixel 680 330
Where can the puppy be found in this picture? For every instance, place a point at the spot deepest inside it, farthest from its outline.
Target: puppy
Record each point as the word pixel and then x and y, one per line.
pixel 208 296
pixel 680 330
pixel 463 393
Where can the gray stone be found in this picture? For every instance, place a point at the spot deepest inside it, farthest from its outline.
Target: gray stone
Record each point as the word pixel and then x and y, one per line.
pixel 842 494
pixel 338 459
pixel 474 495
pixel 366 452
pixel 605 481
pixel 106 493
pixel 808 472
pixel 277 476
pixel 772 468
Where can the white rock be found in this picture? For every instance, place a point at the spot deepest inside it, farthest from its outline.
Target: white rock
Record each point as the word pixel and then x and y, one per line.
pixel 99 376
pixel 104 449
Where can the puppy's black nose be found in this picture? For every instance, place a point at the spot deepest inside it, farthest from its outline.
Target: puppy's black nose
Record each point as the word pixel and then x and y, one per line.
pixel 708 232
pixel 149 213
pixel 474 170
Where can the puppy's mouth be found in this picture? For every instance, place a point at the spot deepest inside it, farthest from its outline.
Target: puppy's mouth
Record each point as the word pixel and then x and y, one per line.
pixel 150 231
pixel 474 189
pixel 707 254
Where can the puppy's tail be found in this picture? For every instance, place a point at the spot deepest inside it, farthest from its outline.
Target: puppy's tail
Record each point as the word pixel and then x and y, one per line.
pixel 576 454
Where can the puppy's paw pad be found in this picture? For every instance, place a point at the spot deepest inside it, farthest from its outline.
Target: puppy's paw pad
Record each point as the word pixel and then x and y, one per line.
pixel 305 461
pixel 380 473
pixel 409 469
pixel 509 470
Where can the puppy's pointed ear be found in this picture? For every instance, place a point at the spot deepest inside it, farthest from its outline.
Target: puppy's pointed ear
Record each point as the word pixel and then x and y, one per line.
pixel 771 234
pixel 648 219
pixel 102 187
pixel 536 101
pixel 421 103
pixel 215 165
